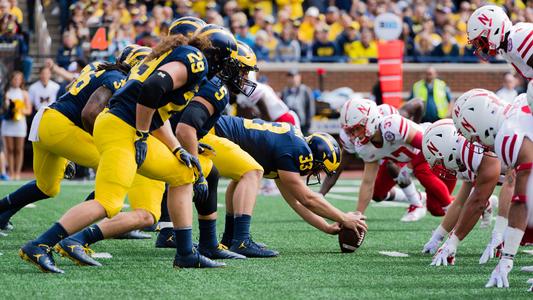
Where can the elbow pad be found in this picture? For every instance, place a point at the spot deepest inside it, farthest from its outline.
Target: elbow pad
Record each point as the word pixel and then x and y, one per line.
pixel 154 87
pixel 195 115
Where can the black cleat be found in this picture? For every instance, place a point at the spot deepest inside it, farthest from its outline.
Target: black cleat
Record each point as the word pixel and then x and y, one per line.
pixel 152 228
pixel 75 251
pixel 7 226
pixel 196 260
pixel 133 235
pixel 220 252
pixel 249 248
pixel 41 256
pixel 165 239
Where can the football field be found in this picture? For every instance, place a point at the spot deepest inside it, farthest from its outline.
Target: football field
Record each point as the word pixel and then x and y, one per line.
pixel 310 264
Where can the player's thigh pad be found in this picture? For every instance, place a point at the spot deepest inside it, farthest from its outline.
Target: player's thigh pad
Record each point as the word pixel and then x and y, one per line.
pixel 146 193
pixel 230 160
pixel 61 136
pixel 49 169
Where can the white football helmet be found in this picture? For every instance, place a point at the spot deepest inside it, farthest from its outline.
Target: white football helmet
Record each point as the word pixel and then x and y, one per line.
pixel 440 146
pixel 361 112
pixel 480 119
pixel 486 29
pixel 459 103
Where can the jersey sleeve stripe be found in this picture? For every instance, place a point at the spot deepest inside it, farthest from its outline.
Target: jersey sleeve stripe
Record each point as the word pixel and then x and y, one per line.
pixel 463 151
pixel 470 156
pixel 527 49
pixel 511 148
pixel 504 143
pixel 401 126
pixel 525 41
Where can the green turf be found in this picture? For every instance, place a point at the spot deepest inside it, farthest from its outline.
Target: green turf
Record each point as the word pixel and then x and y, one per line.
pixel 310 264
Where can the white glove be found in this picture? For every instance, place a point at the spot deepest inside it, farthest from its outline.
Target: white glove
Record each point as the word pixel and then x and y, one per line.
pixel 530 281
pixel 404 177
pixel 498 277
pixel 488 254
pixel 431 247
pixel 445 255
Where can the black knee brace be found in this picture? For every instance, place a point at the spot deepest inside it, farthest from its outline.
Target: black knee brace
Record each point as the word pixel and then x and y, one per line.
pixel 210 206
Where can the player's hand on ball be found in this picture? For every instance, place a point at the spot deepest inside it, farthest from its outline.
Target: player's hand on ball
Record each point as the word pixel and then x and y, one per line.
pixel 141 148
pixel 333 229
pixel 444 256
pixel 498 278
pixel 355 222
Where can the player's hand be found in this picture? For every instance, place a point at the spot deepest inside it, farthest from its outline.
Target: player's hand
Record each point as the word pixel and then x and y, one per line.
pixel 141 148
pixel 404 177
pixel 498 278
pixel 183 156
pixel 431 247
pixel 201 190
pixel 206 150
pixel 491 249
pixel 445 255
pixel 355 222
pixel 333 229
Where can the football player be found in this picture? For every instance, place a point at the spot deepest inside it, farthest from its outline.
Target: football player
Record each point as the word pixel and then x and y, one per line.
pixel 57 132
pixel 447 151
pixel 396 138
pixel 155 88
pixel 407 191
pixel 505 129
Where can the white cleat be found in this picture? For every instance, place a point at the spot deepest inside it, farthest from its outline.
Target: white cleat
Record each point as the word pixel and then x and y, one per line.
pixel 486 217
pixel 414 213
pixel 530 281
pixel 527 269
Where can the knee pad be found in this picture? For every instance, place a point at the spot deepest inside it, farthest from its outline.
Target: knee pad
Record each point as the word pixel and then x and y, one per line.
pixel 210 206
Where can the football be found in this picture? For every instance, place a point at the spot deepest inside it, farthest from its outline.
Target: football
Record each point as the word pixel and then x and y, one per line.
pixel 348 240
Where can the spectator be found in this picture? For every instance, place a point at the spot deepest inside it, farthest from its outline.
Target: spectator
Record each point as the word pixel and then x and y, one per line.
pixel 435 94
pixel 508 90
pixel 44 91
pixel 183 9
pixel 240 29
pixel 448 47
pixel 259 20
pixel 294 7
pixel 272 38
pixel 324 50
pixel 299 98
pixel 365 50
pixel 69 51
pixel 14 128
pixel 283 19
pixel 306 31
pixel 261 51
pixel 288 49
pixel 424 47
pixel 16 11
pixel 230 8
pixel 347 38
pixel 333 21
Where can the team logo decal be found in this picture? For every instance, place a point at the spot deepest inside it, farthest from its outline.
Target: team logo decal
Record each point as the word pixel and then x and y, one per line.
pixel 509 45
pixel 389 136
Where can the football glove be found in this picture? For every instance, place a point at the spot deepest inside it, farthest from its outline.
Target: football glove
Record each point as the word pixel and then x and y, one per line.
pixel 498 278
pixel 183 156
pixel 201 190
pixel 445 255
pixel 141 148
pixel 404 177
pixel 432 246
pixel 492 247
pixel 206 150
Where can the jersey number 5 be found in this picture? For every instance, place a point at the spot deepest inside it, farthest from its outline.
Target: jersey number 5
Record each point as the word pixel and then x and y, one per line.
pixel 197 62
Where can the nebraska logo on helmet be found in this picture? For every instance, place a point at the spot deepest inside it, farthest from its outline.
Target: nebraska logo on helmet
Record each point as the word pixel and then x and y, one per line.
pixel 363 109
pixel 484 20
pixel 466 125
pixel 431 147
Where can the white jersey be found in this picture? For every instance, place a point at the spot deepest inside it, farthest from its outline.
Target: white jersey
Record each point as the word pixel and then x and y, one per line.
pixel 511 135
pixel 470 155
pixel 274 106
pixel 394 129
pixel 520 48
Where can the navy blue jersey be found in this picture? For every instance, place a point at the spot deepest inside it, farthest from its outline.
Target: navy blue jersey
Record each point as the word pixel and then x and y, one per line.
pixel 216 93
pixel 275 146
pixel 123 103
pixel 73 101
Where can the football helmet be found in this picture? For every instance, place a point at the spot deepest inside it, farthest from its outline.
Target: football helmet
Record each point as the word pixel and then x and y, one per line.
pixel 222 54
pixel 486 30
pixel 480 118
pixel 326 154
pixel 186 26
pixel 440 148
pixel 360 112
pixel 247 62
pixel 463 99
pixel 133 54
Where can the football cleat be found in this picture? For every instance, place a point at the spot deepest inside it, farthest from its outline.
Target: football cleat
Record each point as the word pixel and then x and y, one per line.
pixel 133 235
pixel 75 251
pixel 165 239
pixel 414 213
pixel 220 252
pixel 249 248
pixel 196 260
pixel 6 226
pixel 41 256
pixel 152 228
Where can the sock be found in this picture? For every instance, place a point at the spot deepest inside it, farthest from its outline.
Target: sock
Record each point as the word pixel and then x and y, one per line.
pixel 412 195
pixel 163 225
pixel 511 242
pixel 208 233
pixel 52 236
pixel 165 216
pixel 399 196
pixel 25 195
pixel 90 196
pixel 6 216
pixel 227 237
pixel 183 240
pixel 439 233
pixel 500 225
pixel 89 235
pixel 241 231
